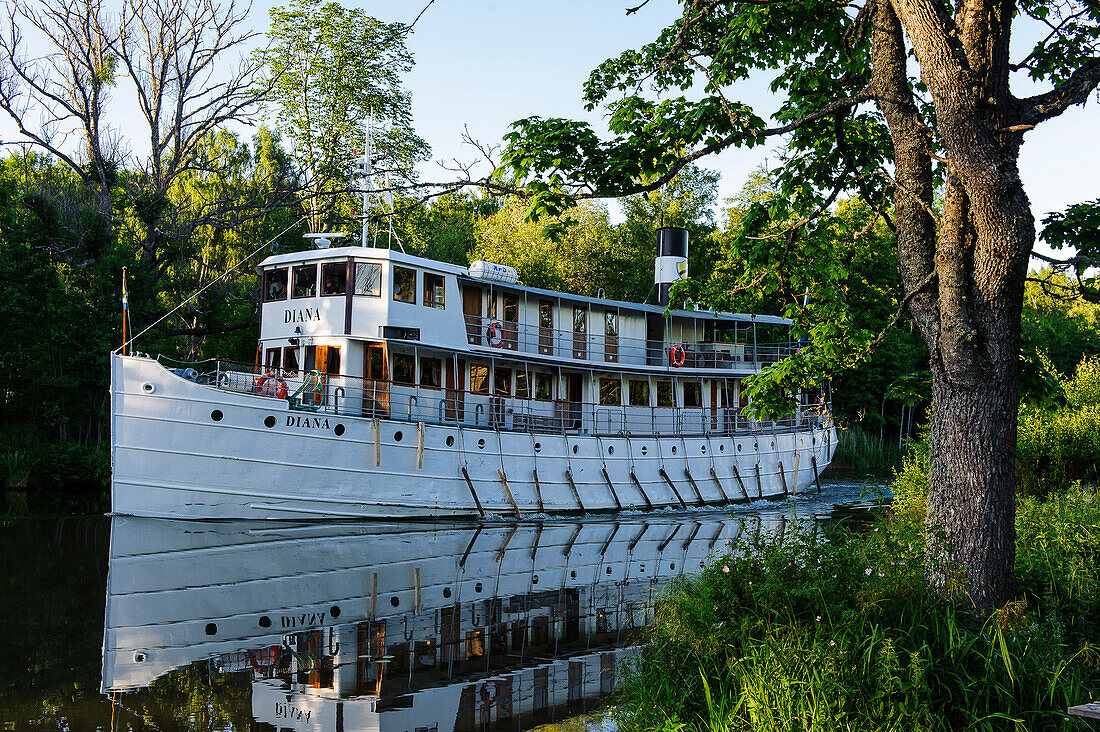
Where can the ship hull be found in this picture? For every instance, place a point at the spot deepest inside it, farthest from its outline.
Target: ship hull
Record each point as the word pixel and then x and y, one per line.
pixel 186 450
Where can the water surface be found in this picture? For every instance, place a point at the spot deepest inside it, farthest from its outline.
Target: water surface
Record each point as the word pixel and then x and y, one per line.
pixel 124 623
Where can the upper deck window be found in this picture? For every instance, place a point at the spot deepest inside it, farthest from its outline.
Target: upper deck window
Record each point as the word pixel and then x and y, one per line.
pixel 611 391
pixel 404 284
pixel 368 279
pixel 334 278
pixel 433 290
pixel 305 280
pixel 404 368
pixel 275 284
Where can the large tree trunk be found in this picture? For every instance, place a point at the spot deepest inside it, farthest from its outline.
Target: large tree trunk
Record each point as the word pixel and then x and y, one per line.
pixel 965 281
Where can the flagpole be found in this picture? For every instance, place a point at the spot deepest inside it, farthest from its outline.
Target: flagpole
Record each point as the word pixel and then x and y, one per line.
pixel 125 316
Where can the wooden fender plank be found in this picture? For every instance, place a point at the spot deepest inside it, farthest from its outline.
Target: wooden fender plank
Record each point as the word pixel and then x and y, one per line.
pixel 673 487
pixel 721 488
pixel 638 485
pixel 741 483
pixel 470 485
pixel 573 487
pixel 607 479
pixel 694 487
pixel 508 492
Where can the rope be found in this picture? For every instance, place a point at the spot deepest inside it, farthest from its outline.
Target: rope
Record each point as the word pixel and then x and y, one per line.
pixel 213 282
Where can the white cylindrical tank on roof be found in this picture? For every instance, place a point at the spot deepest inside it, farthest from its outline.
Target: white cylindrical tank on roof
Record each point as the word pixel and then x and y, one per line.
pixel 491 272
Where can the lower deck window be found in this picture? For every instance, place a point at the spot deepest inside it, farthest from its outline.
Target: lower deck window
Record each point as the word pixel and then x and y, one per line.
pixel 664 393
pixel 479 379
pixel 431 372
pixel 544 386
pixel 502 382
pixel 639 393
pixel 404 368
pixel 693 394
pixel 610 392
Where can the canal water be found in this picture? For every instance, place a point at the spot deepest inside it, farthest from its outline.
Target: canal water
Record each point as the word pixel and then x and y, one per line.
pixel 123 623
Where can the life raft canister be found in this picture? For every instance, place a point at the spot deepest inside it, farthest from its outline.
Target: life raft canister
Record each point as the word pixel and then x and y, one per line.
pixel 280 385
pixel 677 355
pixel 495 334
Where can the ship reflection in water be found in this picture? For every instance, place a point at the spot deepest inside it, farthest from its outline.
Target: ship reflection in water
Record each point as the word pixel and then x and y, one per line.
pixel 397 626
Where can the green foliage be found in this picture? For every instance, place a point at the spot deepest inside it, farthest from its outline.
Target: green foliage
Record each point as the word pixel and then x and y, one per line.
pixel 586 257
pixel 1058 324
pixel 1056 447
pixel 330 69
pixel 827 629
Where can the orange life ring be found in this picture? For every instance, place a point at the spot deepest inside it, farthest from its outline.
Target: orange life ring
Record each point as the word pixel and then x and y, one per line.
pixel 280 385
pixel 494 334
pixel 677 354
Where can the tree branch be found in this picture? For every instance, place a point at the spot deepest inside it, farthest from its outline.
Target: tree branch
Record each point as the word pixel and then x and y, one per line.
pixel 1074 90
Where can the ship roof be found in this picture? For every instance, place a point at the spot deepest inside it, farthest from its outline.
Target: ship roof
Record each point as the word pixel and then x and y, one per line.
pixel 463 273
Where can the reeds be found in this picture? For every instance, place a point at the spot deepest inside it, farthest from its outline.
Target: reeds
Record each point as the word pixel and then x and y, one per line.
pixel 860 454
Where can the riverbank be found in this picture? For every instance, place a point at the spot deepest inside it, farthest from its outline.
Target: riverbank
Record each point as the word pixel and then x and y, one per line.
pixel 833 629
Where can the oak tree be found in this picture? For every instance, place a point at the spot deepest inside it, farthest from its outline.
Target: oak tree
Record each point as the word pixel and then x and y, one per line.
pixel 890 100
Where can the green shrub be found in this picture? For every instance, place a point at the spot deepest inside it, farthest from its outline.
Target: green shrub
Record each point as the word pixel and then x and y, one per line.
pixel 834 630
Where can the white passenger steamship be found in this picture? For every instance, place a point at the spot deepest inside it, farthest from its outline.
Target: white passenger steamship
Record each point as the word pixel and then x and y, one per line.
pixel 388 385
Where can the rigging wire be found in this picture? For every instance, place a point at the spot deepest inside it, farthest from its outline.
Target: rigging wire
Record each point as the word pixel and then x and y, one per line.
pixel 211 284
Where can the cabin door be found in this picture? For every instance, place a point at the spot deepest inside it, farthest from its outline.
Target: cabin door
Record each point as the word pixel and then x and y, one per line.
pixel 654 339
pixel 715 403
pixel 471 311
pixel 456 389
pixel 574 395
pixel 376 382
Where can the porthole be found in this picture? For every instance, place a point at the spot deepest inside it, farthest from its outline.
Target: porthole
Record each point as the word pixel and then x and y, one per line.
pixel 477 587
pixel 265 621
pixel 338 430
pixel 703 449
pixel 216 415
pixel 481 444
pixel 538 447
pixel 139 658
pixel 773 444
pixel 450 440
pixel 398 436
pixel 672 565
pixel 738 447
pixel 721 447
pixel 148 388
pixel 572 574
pixel 446 592
pixel 575 448
pixel 269 422
pixel 395 601
pixel 644 449
pixel 610 449
pixel 609 570
pixel 334 611
pixel 211 628
pixel 756 446
pixel 641 568
pixel 673 449
pixel 535 580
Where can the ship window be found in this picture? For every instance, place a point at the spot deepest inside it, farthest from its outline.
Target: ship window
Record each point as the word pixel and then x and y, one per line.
pixel 433 290
pixel 290 359
pixel 479 379
pixel 502 381
pixel 639 392
pixel 274 355
pixel 431 372
pixel 368 279
pixel 522 392
pixel 275 284
pixel 611 323
pixel 664 393
pixel 334 278
pixel 546 314
pixel 404 284
pixel 611 392
pixel 693 394
pixel 544 385
pixel 579 324
pixel 511 308
pixel 305 280
pixel 404 368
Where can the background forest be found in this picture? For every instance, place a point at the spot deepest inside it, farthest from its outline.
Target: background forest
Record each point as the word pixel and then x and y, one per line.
pixel 213 196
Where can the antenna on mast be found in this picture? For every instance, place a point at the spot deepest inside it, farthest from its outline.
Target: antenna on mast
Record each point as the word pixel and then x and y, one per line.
pixel 363 169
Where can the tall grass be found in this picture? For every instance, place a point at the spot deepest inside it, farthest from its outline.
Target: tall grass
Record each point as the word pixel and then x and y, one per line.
pixel 861 454
pixel 833 630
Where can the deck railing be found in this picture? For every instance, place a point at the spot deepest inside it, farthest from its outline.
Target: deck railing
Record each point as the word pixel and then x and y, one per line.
pixel 602 348
pixel 312 392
